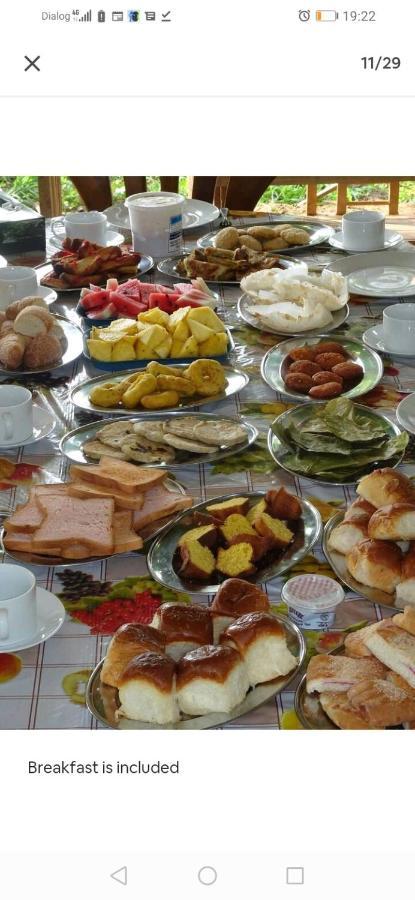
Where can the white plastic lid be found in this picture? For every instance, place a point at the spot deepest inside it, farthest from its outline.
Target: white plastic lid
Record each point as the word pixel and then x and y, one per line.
pixel 312 592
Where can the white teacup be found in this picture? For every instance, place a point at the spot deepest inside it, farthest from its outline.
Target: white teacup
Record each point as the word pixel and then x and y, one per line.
pixel 16 282
pixel 363 229
pixel 16 414
pixel 399 328
pixel 18 612
pixel 86 226
pixel 156 221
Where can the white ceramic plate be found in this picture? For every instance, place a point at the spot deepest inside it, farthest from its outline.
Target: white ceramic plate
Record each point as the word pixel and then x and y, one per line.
pixel 405 413
pixel 3 262
pixel 374 339
pixel 113 239
pixel 196 214
pixel 382 274
pixel 392 239
pixel 339 316
pixel 50 618
pixel 43 424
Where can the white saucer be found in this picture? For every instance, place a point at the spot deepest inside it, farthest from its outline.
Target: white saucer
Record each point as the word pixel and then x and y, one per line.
pixel 373 338
pixel 3 262
pixel 405 413
pixel 50 618
pixel 392 239
pixel 113 239
pixel 43 424
pixel 47 294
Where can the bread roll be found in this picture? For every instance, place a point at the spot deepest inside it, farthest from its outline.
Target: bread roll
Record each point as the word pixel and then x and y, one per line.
pixel 12 349
pixel 359 509
pixel 376 564
pixel 393 523
pixel 43 350
pixel 261 640
pixel 129 641
pixel 227 239
pixel 346 535
pixel 211 679
pixel 234 598
pixel 385 486
pixel 33 321
pixel 185 627
pixel 147 690
pixel 15 308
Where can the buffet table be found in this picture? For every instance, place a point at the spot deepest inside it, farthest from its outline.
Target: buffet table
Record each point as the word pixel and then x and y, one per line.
pixel 44 687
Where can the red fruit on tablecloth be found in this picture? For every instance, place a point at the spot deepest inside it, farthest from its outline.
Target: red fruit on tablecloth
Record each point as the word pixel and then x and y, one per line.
pixel 10 666
pixel 110 615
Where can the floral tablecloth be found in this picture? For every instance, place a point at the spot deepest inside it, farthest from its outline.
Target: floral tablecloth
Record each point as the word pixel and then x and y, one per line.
pixel 44 687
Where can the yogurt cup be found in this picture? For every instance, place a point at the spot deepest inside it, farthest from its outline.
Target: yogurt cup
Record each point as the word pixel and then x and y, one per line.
pixel 156 221
pixel 312 601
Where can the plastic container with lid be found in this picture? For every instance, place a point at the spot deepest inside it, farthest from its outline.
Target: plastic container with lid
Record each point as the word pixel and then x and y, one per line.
pixel 312 601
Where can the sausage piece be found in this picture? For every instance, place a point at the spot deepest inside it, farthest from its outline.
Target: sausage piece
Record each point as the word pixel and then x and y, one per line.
pixel 348 370
pixel 330 347
pixel 326 378
pixel 325 391
pixel 299 381
pixel 329 360
pixel 306 366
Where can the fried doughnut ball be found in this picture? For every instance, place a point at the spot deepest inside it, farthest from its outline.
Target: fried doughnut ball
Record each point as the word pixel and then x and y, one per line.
pixel 306 366
pixel 173 383
pixel 330 347
pixel 302 353
pixel 326 378
pixel 329 360
pixel 298 381
pixel 42 350
pixel 207 376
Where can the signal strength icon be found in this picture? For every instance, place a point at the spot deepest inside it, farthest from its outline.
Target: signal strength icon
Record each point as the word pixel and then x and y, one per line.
pixel 87 17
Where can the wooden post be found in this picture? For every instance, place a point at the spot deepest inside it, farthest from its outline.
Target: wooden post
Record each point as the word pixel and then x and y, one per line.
pixel 50 195
pixel 394 198
pixel 341 198
pixel 312 198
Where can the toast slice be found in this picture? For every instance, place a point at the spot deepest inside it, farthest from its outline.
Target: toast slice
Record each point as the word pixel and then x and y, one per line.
pixel 354 643
pixel 382 703
pixel 396 649
pixel 158 504
pixel 338 674
pixel 126 539
pixel 122 501
pixel 70 521
pixel 406 620
pixel 124 477
pixel 18 540
pixel 28 516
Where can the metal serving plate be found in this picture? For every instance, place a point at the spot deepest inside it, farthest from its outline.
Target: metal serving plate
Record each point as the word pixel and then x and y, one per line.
pixel 74 347
pixel 161 554
pixel 309 710
pixel 338 563
pixel 145 265
pixel 148 534
pixel 236 381
pixel 317 232
pixel 339 317
pixel 275 365
pixel 102 700
pixel 278 450
pixel 71 444
pixel 127 365
pixel 168 267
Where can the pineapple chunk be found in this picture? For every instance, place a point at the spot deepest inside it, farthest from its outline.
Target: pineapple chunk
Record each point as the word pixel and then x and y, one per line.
pixel 199 331
pixel 163 349
pixel 181 332
pixel 178 316
pixel 127 326
pixel 154 317
pixel 153 335
pixel 176 349
pixel 214 346
pixel 189 348
pixel 206 316
pixel 101 350
pixel 142 351
pixel 123 350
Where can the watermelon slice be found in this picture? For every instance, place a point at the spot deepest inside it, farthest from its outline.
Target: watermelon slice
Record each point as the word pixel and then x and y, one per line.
pixel 105 312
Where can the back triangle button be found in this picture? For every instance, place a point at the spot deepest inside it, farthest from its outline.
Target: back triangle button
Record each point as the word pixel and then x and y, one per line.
pixel 120 875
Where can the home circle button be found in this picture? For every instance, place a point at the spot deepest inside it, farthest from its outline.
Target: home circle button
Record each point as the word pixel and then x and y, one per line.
pixel 207 875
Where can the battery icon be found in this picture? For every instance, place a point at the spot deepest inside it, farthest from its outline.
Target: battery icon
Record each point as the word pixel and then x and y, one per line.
pixel 101 15
pixel 326 15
